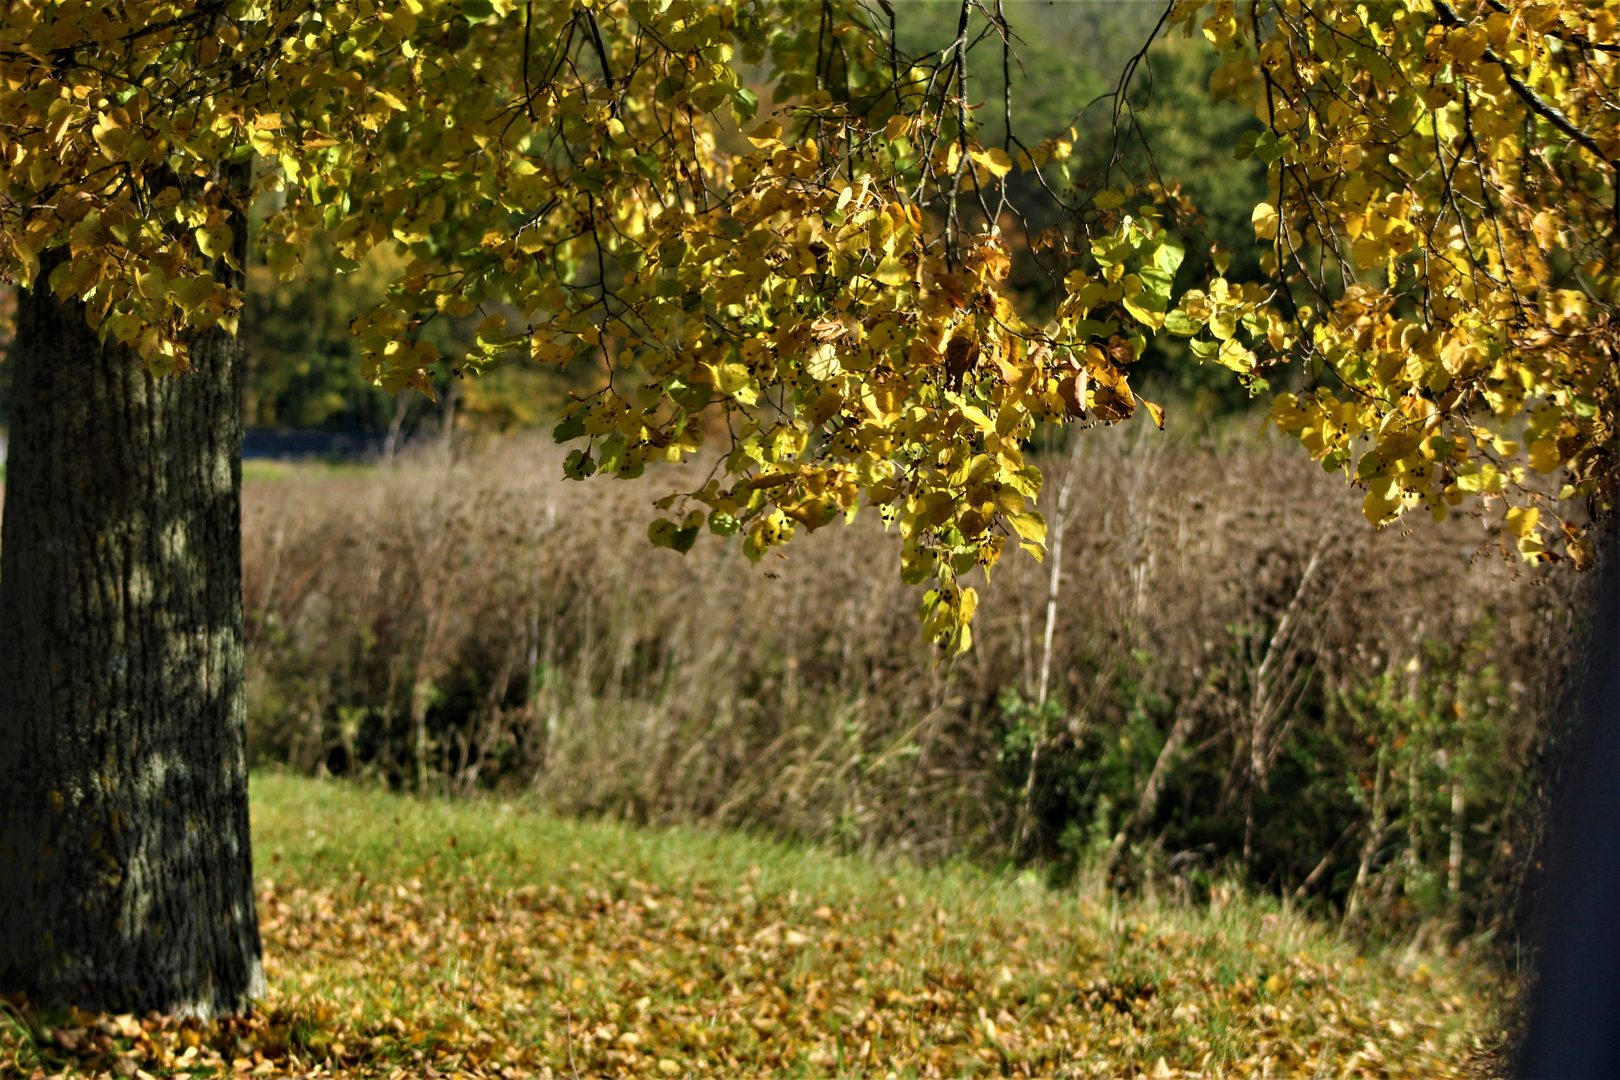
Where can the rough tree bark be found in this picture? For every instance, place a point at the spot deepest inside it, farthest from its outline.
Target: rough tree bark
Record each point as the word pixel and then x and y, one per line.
pixel 125 870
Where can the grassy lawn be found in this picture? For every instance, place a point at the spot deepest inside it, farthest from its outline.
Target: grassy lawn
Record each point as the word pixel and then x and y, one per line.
pixel 408 937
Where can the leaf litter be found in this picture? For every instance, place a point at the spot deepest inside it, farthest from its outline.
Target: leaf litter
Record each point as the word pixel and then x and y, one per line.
pixel 409 937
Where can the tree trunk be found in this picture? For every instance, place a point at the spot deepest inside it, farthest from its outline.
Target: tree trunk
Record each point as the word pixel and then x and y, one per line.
pixel 125 871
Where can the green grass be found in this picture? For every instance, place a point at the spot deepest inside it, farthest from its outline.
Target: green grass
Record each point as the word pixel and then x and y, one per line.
pixel 259 469
pixel 490 935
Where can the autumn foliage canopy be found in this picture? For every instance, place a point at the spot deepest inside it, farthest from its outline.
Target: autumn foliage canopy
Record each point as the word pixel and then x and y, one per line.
pixel 817 282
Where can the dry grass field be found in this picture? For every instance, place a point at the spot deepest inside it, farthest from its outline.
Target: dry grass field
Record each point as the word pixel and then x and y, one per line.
pixel 1243 676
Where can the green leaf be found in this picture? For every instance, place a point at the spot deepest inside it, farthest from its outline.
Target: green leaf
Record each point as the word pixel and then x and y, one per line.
pixel 1156 283
pixel 671 252
pixel 662 533
pixel 572 427
pixel 1178 323
pixel 477 10
pixel 744 104
pixel 690 396
pixel 916 563
pixel 612 451
pixel 1169 255
pixel 578 465
pixel 1092 294
pixel 646 165
pixel 1271 146
pixel 1146 309
pixel 1109 250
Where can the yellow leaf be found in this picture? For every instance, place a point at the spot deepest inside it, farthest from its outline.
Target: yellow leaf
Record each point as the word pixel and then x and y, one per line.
pixel 994 160
pixel 765 136
pixel 891 272
pixel 1521 520
pixel 214 242
pixel 1265 221
pixel 822 363
pixel 1544 456
pixel 1581 552
pixel 1030 526
pixel 153 284
pixel 977 418
pixel 424 354
pixel 734 381
pixel 1383 502
pixel 1233 355
pixel 29 259
pixel 822 409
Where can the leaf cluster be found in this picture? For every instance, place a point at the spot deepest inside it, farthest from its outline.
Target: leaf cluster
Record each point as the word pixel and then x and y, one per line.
pixel 1441 233
pixel 823 312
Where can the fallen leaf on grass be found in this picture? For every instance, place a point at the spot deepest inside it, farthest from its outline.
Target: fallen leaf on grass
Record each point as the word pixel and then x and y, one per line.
pixel 462 965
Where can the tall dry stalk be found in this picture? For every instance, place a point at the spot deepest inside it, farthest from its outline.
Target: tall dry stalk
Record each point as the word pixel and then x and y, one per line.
pixel 1054 582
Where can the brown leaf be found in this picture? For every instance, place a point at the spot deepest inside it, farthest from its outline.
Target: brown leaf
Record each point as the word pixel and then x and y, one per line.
pixel 960 355
pixel 1120 350
pixel 1072 388
pixel 954 288
pixel 825 331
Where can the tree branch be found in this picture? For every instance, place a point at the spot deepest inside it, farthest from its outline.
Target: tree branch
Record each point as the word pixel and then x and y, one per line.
pixel 1538 105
